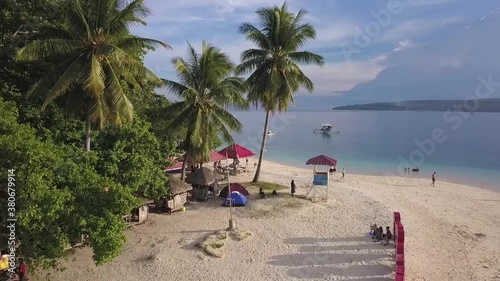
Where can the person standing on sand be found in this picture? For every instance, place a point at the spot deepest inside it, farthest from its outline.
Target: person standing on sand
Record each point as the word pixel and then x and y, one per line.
pixel 343 173
pixel 292 188
pixel 433 178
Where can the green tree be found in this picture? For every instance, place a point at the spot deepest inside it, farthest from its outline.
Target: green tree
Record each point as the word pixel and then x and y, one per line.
pixel 274 63
pixel 59 195
pixel 131 155
pixel 208 90
pixel 96 52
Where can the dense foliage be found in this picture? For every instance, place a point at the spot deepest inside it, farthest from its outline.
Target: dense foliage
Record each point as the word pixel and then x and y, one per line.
pixel 61 189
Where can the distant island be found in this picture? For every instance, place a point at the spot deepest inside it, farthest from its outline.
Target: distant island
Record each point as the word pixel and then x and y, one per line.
pixel 485 105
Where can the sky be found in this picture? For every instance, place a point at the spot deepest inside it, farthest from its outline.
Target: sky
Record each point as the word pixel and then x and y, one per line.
pixel 374 50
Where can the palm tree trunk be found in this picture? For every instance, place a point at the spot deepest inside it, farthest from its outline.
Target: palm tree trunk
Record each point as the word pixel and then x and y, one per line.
pixel 184 164
pixel 262 148
pixel 87 132
pixel 186 147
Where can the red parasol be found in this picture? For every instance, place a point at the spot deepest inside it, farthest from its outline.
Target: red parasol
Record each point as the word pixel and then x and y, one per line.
pixel 322 160
pixel 214 157
pixel 235 151
pixel 176 166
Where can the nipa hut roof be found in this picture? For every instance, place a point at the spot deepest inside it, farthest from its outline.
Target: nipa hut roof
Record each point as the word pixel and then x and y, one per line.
pixel 203 176
pixel 176 185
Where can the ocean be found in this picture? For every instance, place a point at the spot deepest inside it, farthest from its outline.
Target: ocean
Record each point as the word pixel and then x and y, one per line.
pixel 459 147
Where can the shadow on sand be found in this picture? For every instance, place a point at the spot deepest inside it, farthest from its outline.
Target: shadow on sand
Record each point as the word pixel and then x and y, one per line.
pixel 344 258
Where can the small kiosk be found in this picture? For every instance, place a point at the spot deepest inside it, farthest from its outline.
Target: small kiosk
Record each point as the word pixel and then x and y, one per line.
pixel 320 178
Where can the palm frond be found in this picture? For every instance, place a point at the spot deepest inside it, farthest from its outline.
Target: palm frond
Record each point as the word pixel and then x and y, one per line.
pixel 66 81
pixel 174 87
pixel 134 12
pixel 38 50
pixel 256 36
pixel 135 42
pixel 305 57
pixel 94 82
pixel 228 119
pixel 118 58
pixel 47 82
pixel 78 24
pixel 116 97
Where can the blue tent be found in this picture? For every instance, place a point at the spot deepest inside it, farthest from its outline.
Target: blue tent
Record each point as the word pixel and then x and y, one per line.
pixel 237 198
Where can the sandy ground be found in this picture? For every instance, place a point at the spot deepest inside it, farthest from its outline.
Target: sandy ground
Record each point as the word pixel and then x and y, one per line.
pixel 452 233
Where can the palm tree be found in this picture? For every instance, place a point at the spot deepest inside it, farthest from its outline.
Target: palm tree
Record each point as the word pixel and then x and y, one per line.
pixel 207 90
pixel 274 63
pixel 96 54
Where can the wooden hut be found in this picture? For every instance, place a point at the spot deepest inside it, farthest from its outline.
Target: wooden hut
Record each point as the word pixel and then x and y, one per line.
pixel 177 193
pixel 204 182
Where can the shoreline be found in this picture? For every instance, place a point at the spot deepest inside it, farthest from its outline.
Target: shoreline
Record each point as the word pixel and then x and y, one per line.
pixel 475 184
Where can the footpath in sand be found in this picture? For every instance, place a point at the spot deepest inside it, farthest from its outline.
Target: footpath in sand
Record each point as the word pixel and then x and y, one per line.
pixel 452 232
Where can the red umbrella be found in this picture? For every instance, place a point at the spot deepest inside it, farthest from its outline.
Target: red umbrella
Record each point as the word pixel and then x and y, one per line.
pixel 176 166
pixel 322 160
pixel 235 151
pixel 214 156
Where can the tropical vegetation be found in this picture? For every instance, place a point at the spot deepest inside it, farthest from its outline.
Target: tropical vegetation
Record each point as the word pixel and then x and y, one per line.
pixel 74 66
pixel 207 89
pixel 95 60
pixel 275 75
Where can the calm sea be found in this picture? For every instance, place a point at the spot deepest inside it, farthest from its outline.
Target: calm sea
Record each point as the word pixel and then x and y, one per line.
pixel 460 148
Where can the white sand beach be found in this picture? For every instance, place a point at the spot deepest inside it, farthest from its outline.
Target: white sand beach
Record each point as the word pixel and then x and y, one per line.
pixel 452 233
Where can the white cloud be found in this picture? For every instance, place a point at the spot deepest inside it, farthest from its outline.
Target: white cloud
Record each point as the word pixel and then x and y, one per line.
pixel 334 33
pixel 403 45
pixel 416 28
pixel 342 76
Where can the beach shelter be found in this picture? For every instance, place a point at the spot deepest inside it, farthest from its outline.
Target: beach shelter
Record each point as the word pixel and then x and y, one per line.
pixel 203 176
pixel 234 187
pixel 320 178
pixel 236 151
pixel 177 193
pixel 237 198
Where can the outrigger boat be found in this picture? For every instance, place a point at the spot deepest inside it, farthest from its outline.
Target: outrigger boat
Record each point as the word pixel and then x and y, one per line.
pixel 325 129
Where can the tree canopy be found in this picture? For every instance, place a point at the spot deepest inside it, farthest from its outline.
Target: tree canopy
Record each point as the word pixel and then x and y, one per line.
pixel 207 90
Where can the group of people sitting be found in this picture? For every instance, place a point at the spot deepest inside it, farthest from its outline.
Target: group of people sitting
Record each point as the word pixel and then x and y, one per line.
pixel 377 233
pixel 263 195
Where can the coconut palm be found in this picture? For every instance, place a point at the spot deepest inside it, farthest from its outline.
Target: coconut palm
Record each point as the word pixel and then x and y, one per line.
pixel 97 58
pixel 207 90
pixel 274 63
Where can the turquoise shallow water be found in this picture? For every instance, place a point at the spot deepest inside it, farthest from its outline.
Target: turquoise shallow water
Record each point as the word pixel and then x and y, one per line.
pixel 465 149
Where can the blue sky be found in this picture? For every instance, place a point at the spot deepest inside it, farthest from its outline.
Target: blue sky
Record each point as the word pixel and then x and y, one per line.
pixel 357 44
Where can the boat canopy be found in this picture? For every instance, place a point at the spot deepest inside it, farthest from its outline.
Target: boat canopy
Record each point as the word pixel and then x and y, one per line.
pixel 326 125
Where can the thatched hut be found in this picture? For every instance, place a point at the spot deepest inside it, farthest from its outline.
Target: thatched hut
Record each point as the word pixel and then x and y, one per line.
pixel 204 181
pixel 177 194
pixel 203 177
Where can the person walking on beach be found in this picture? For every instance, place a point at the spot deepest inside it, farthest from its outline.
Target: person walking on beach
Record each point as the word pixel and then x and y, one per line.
pixel 292 188
pixel 433 178
pixel 343 173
